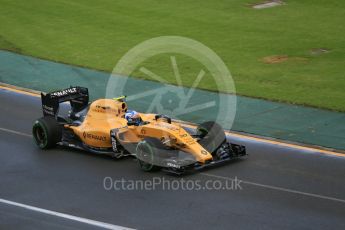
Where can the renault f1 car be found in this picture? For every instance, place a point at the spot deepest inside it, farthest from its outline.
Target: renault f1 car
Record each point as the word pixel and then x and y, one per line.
pixel 157 141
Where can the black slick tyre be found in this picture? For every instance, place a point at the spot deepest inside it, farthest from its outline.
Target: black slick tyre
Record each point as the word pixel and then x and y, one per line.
pixel 46 132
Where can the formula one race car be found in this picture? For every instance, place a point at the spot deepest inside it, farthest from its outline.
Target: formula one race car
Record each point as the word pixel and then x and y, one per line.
pixel 106 126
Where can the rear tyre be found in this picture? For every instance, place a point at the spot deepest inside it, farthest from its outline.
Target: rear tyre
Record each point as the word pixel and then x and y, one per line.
pixel 212 135
pixel 146 153
pixel 46 132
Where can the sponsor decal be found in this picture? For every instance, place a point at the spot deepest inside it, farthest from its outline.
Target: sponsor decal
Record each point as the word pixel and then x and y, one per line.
pixel 114 144
pixel 48 110
pixel 204 152
pixel 169 164
pixel 104 109
pixel 167 126
pixel 93 136
pixel 64 92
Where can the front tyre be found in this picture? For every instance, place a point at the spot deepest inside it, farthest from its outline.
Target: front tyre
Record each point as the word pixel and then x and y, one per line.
pixel 46 132
pixel 212 135
pixel 146 153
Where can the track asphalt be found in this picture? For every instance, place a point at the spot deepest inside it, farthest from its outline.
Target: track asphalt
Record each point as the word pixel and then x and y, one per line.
pixel 282 188
pixel 259 117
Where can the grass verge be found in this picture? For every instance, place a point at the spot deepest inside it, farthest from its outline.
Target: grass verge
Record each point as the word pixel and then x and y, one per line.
pixel 96 34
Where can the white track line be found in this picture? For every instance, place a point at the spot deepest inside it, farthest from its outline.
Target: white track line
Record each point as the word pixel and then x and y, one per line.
pixel 277 188
pixel 62 215
pixel 65 216
pixel 15 132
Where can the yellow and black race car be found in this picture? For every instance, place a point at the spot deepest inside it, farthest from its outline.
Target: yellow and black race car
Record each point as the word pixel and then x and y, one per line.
pixel 106 126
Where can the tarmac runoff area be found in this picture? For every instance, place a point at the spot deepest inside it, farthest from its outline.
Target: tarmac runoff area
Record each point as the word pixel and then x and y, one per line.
pixel 279 186
pixel 258 117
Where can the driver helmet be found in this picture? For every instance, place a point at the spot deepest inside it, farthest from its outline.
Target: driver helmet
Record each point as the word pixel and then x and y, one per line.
pixel 133 117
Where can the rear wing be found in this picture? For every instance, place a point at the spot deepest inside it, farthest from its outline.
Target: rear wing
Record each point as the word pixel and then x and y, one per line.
pixel 77 96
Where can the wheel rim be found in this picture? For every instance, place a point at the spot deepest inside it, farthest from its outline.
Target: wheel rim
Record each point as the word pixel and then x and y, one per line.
pixel 145 154
pixel 40 136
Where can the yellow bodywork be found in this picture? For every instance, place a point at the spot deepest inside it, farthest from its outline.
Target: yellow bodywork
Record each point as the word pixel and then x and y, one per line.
pixel 107 114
